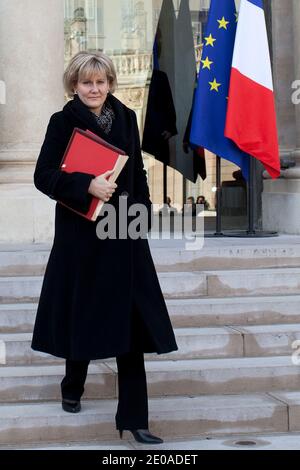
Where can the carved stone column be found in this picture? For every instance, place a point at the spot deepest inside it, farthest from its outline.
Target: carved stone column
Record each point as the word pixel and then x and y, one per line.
pixel 281 198
pixel 31 68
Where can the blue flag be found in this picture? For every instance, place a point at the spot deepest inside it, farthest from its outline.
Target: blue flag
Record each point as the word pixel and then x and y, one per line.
pixel 211 96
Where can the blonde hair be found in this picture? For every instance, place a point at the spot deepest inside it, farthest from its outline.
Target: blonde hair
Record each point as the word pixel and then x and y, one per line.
pixel 85 64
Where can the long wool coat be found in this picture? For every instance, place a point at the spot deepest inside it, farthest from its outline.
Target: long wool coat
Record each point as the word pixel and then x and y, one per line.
pixel 99 298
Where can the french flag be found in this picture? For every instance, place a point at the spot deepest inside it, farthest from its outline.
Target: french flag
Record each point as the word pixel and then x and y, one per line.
pixel 251 115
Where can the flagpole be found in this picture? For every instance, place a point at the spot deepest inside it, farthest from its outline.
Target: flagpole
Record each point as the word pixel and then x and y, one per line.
pixel 251 232
pixel 165 183
pixel 218 232
pixel 250 197
pixel 247 233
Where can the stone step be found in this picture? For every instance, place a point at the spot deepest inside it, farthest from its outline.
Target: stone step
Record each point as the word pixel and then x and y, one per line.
pixel 230 283
pixel 270 340
pixel 176 416
pixel 17 317
pixel 238 283
pixel 23 259
pixel 192 343
pixel 181 377
pixel 207 312
pixel 255 340
pixel 42 383
pixel 230 254
pixel 292 400
pixel 186 313
pixel 20 288
pixel 172 255
pixel 270 441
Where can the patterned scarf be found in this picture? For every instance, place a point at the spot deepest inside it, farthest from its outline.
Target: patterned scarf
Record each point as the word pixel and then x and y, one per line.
pixel 105 118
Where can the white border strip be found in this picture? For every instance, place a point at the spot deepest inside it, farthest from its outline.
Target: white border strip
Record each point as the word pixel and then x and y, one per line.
pixel 251 55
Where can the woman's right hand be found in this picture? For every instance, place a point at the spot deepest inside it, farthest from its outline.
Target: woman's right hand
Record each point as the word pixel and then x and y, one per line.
pixel 101 188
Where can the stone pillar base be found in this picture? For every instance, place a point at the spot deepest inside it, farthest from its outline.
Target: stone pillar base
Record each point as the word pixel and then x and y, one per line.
pixel 281 206
pixel 25 215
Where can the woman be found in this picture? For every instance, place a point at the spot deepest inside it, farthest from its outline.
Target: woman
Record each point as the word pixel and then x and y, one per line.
pixel 100 297
pixel 202 200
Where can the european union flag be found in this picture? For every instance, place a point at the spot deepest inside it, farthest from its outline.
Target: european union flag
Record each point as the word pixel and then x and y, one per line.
pixel 211 97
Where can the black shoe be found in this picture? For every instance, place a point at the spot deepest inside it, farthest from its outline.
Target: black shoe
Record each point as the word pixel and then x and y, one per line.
pixel 143 436
pixel 71 406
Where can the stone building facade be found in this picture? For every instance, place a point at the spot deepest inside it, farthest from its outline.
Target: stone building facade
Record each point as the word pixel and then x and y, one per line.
pixel 37 38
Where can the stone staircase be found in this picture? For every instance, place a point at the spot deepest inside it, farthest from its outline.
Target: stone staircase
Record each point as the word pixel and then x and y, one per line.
pixel 235 307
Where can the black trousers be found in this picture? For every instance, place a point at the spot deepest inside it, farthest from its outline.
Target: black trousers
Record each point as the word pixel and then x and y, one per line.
pixel 132 411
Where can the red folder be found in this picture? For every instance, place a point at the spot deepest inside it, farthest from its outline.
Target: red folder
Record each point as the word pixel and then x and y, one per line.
pixel 88 153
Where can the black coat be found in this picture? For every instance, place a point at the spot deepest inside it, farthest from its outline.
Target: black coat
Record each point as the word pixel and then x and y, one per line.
pixel 91 286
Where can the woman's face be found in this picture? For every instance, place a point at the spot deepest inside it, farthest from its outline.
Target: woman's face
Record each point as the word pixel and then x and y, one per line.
pixel 93 91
